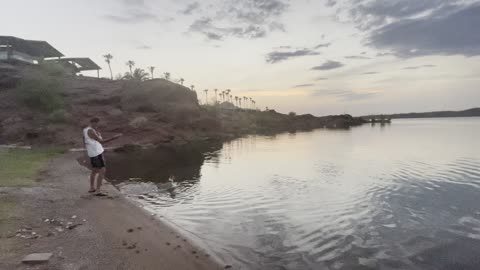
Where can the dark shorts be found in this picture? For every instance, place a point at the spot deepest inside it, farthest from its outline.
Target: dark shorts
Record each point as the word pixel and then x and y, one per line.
pixel 98 162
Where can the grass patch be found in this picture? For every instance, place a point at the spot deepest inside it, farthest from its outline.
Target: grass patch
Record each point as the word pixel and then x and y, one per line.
pixel 18 167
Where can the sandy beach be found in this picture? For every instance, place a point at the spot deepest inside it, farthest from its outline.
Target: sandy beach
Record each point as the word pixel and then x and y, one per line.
pixel 86 232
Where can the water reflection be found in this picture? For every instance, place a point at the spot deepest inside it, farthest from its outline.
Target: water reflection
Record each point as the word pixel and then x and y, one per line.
pixel 404 196
pixel 159 164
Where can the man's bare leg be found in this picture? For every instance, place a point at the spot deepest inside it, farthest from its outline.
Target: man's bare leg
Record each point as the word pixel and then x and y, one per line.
pixel 101 175
pixel 93 175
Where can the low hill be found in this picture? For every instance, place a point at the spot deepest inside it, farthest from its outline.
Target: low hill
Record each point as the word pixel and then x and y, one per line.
pixel 42 105
pixel 464 113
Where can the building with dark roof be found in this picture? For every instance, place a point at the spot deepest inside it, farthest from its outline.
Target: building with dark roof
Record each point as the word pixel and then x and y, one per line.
pixel 22 51
pixel 13 49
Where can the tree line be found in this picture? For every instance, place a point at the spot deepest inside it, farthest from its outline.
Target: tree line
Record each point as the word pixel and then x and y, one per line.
pixel 223 97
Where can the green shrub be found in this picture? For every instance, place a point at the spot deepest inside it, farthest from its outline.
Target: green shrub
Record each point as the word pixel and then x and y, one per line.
pixel 40 89
pixel 59 116
pixel 52 69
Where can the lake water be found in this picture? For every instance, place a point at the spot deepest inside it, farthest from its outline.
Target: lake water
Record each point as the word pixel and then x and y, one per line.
pixel 399 196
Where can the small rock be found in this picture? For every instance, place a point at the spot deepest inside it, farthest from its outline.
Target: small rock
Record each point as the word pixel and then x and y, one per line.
pixel 197 257
pixel 74 217
pixel 132 246
pixel 37 258
pixel 73 226
pixel 139 228
pixel 50 234
pixel 178 246
pixel 167 243
pixel 130 230
pixel 228 266
pixel 46 220
pixel 137 251
pixel 194 252
pixel 124 243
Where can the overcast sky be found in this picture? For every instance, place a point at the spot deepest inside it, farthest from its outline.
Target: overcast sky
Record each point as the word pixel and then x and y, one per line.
pixel 320 57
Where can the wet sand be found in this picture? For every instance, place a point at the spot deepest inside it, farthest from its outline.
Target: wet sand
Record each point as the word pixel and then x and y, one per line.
pixel 109 232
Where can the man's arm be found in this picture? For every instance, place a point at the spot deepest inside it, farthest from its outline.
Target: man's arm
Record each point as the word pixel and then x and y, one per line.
pixel 94 136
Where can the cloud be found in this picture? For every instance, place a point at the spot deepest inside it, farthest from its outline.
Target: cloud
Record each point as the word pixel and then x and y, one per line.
pixel 248 19
pixel 303 85
pixel 212 32
pixel 328 65
pixel 321 79
pixel 331 3
pixel 323 45
pixel 279 56
pixel 455 33
pixel 370 73
pixel 135 11
pixel 412 28
pixel 417 67
pixel 358 57
pixel 134 2
pixel 190 8
pixel 367 14
pixel 344 95
pixel 384 54
pixel 135 16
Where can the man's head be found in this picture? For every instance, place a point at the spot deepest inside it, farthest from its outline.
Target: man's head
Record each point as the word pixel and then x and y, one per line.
pixel 94 122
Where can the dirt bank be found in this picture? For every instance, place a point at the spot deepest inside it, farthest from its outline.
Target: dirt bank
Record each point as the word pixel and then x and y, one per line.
pixel 42 106
pixel 85 232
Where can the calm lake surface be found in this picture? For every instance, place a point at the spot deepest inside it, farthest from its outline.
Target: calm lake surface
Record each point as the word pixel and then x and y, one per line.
pixel 399 196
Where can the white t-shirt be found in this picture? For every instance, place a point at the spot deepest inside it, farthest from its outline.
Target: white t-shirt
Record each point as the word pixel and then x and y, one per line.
pixel 94 148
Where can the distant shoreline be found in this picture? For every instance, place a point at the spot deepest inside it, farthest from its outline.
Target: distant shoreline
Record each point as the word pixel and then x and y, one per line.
pixel 474 112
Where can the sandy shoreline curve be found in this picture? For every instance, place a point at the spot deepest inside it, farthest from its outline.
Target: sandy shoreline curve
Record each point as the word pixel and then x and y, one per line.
pixel 109 233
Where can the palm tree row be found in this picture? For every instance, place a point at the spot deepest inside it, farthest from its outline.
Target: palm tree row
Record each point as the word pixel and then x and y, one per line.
pixel 227 97
pixel 137 73
pixel 141 75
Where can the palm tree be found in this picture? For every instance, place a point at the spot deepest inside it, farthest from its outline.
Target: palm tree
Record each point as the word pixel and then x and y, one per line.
pixel 181 81
pixel 236 100
pixel 206 96
pixel 231 98
pixel 251 102
pixel 192 87
pixel 240 102
pixel 166 76
pixel 151 68
pixel 108 58
pixel 130 65
pixel 215 90
pixel 228 94
pixel 137 75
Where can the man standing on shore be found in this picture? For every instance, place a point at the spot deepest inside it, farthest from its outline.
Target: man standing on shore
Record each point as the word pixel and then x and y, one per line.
pixel 93 143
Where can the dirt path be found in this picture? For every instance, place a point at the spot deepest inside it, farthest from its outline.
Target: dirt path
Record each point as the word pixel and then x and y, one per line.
pixel 108 233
